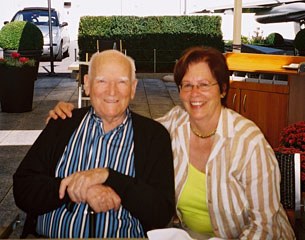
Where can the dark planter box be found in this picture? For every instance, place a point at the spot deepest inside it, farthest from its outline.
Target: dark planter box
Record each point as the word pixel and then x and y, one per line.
pixel 17 88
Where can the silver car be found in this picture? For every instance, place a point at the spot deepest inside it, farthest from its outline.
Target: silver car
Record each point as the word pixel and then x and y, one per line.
pixel 40 17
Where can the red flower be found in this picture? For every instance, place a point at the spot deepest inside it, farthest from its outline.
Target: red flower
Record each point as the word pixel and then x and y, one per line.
pixel 23 59
pixel 292 140
pixel 15 60
pixel 15 55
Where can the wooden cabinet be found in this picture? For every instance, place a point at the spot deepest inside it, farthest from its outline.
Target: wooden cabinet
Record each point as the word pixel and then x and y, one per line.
pixel 271 106
pixel 268 108
pixel 233 98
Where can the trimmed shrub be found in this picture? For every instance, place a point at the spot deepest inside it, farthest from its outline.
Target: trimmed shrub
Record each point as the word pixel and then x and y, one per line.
pixel 163 38
pixel 21 35
pixel 274 39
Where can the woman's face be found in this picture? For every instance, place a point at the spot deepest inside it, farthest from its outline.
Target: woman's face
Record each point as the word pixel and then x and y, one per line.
pixel 200 93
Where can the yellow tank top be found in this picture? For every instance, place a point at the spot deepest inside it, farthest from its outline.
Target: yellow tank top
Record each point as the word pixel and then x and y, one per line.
pixel 192 202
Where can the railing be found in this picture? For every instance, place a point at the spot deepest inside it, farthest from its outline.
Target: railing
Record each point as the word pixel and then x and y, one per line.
pixel 147 60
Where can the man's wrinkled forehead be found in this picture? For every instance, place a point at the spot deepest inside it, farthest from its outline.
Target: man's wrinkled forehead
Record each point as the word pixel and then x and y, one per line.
pixel 102 77
pixel 111 64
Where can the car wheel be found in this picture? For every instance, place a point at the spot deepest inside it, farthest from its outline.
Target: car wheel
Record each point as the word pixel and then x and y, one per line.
pixel 60 54
pixel 66 53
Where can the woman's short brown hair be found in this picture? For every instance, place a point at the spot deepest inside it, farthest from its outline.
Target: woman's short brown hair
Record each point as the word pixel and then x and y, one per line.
pixel 216 62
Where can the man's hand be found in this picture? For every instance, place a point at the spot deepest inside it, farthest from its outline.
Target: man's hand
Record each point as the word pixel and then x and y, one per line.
pixel 62 110
pixel 103 198
pixel 77 184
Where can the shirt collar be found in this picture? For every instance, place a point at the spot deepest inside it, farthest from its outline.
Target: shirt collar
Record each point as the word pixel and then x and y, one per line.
pixel 99 121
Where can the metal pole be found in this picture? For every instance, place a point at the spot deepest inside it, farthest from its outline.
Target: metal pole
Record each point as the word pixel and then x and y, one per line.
pixel 51 39
pixel 155 60
pixel 237 26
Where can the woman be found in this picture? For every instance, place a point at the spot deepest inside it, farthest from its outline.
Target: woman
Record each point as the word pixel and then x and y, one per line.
pixel 226 175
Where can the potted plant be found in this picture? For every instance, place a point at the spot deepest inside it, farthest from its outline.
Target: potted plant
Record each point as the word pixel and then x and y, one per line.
pixel 22 37
pixel 292 140
pixel 17 77
pixel 22 44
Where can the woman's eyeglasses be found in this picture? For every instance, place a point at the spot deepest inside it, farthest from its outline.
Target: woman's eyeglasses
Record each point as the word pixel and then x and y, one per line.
pixel 203 87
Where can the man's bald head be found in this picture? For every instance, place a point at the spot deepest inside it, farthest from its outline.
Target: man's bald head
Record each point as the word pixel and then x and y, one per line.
pixel 108 56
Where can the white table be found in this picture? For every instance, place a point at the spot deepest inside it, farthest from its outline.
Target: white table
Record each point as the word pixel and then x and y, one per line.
pixel 75 65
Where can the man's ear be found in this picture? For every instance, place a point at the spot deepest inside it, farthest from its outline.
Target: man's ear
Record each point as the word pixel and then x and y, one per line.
pixel 134 84
pixel 87 84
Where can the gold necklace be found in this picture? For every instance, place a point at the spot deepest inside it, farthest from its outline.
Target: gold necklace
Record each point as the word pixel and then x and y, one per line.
pixel 203 136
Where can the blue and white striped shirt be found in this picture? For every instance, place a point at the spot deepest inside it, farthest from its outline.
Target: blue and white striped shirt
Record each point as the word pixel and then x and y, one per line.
pixel 89 147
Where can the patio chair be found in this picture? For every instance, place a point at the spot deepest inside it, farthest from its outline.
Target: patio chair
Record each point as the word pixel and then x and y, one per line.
pixel 82 97
pixel 290 190
pixel 109 44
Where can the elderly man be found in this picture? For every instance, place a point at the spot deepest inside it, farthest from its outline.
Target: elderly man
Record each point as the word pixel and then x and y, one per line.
pixel 105 159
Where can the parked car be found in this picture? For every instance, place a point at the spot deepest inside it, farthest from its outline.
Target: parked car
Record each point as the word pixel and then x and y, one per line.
pixel 40 17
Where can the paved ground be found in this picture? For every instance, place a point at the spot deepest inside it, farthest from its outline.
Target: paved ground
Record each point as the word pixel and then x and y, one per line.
pixel 18 130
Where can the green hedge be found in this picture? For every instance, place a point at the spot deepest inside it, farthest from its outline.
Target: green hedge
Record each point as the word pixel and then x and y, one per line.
pixel 168 35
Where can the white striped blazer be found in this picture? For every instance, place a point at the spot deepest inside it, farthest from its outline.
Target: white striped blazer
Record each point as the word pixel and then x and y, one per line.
pixel 243 178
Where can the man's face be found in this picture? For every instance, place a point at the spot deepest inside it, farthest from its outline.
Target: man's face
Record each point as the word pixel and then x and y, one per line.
pixel 111 87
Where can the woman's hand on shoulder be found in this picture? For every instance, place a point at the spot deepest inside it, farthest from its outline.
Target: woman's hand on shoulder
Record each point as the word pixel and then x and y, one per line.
pixel 62 110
